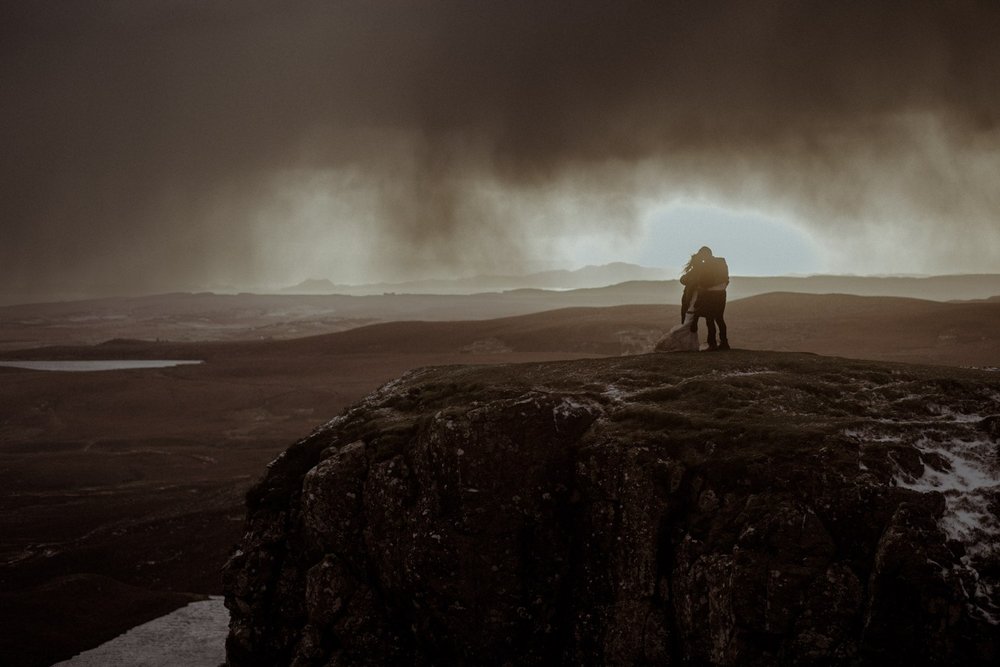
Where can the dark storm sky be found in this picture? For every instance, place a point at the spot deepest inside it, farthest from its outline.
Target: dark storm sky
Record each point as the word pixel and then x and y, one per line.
pixel 176 144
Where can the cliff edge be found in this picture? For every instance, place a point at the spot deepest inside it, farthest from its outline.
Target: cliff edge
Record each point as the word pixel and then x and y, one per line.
pixel 745 508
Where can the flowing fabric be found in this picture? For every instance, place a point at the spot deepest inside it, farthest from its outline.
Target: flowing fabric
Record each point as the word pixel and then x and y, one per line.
pixel 684 336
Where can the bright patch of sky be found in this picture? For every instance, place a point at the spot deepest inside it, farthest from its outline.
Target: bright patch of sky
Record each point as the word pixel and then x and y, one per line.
pixel 751 242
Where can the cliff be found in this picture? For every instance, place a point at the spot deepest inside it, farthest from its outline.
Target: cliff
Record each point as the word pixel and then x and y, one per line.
pixel 745 508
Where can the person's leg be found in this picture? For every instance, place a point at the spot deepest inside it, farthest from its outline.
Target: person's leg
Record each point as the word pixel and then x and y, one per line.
pixel 721 321
pixel 710 322
pixel 709 303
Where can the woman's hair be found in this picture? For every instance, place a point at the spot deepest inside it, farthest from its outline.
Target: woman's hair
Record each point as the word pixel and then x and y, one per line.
pixel 702 253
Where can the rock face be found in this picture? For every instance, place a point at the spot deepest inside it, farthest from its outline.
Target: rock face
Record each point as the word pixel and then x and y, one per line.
pixel 718 509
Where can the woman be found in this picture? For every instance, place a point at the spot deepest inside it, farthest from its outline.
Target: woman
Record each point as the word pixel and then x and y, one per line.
pixel 684 336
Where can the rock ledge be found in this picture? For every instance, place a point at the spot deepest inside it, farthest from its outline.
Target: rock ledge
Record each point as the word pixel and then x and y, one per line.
pixel 746 508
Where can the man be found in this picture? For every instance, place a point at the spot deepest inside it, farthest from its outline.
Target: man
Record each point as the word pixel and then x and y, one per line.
pixel 713 279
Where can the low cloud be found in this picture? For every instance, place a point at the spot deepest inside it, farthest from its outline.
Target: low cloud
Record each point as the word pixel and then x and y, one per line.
pixel 159 145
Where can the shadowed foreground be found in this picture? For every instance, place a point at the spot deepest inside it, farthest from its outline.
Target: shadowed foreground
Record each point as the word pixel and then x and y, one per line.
pixel 742 508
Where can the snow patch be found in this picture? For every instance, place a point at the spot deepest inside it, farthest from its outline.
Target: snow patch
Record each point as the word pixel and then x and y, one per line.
pixel 744 373
pixel 960 417
pixel 569 407
pixel 967 473
pixel 869 435
pixel 615 393
pixel 969 463
pixel 194 636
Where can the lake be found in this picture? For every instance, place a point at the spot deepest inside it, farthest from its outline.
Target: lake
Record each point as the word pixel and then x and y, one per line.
pixel 98 365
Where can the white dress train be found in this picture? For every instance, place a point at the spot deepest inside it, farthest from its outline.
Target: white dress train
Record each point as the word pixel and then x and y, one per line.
pixel 681 338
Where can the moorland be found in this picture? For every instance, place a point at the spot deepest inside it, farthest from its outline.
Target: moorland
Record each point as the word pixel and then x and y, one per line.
pixel 123 490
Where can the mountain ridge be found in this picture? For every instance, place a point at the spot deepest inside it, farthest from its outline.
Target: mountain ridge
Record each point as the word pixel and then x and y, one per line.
pixel 592 275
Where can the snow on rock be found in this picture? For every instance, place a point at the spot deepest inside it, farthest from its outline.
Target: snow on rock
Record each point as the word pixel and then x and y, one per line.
pixel 745 372
pixel 193 636
pixel 966 471
pixel 966 481
pixel 615 393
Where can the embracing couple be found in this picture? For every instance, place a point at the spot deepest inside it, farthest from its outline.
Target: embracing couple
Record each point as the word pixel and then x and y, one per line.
pixel 705 279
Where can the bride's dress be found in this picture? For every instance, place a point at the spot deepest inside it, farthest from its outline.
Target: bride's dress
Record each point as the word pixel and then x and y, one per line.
pixel 681 338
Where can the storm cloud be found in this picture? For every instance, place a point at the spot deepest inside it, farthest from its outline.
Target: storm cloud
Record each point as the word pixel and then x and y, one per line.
pixel 172 144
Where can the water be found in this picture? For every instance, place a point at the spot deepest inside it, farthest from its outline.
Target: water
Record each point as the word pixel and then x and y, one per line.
pixel 98 365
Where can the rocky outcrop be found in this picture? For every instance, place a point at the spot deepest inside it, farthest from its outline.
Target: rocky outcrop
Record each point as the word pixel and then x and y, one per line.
pixel 742 508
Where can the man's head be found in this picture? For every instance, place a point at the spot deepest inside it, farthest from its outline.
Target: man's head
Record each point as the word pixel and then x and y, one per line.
pixel 704 252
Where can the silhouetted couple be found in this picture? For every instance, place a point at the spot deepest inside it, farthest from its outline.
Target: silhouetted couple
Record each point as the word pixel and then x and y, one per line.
pixel 705 279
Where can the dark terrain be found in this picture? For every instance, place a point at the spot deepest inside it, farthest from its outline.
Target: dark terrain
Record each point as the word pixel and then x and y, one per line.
pixel 123 490
pixel 751 508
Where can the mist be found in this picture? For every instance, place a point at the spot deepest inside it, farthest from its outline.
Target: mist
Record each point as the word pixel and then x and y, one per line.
pixel 153 146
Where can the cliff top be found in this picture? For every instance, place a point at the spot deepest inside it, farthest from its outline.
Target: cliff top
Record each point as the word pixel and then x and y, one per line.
pixel 738 405
pixel 743 507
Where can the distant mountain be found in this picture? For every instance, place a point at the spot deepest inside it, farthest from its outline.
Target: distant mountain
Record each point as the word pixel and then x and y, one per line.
pixel 640 284
pixel 311 286
pixel 559 279
pixel 937 288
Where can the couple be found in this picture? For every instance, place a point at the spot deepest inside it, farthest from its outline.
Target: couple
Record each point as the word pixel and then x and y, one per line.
pixel 705 280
